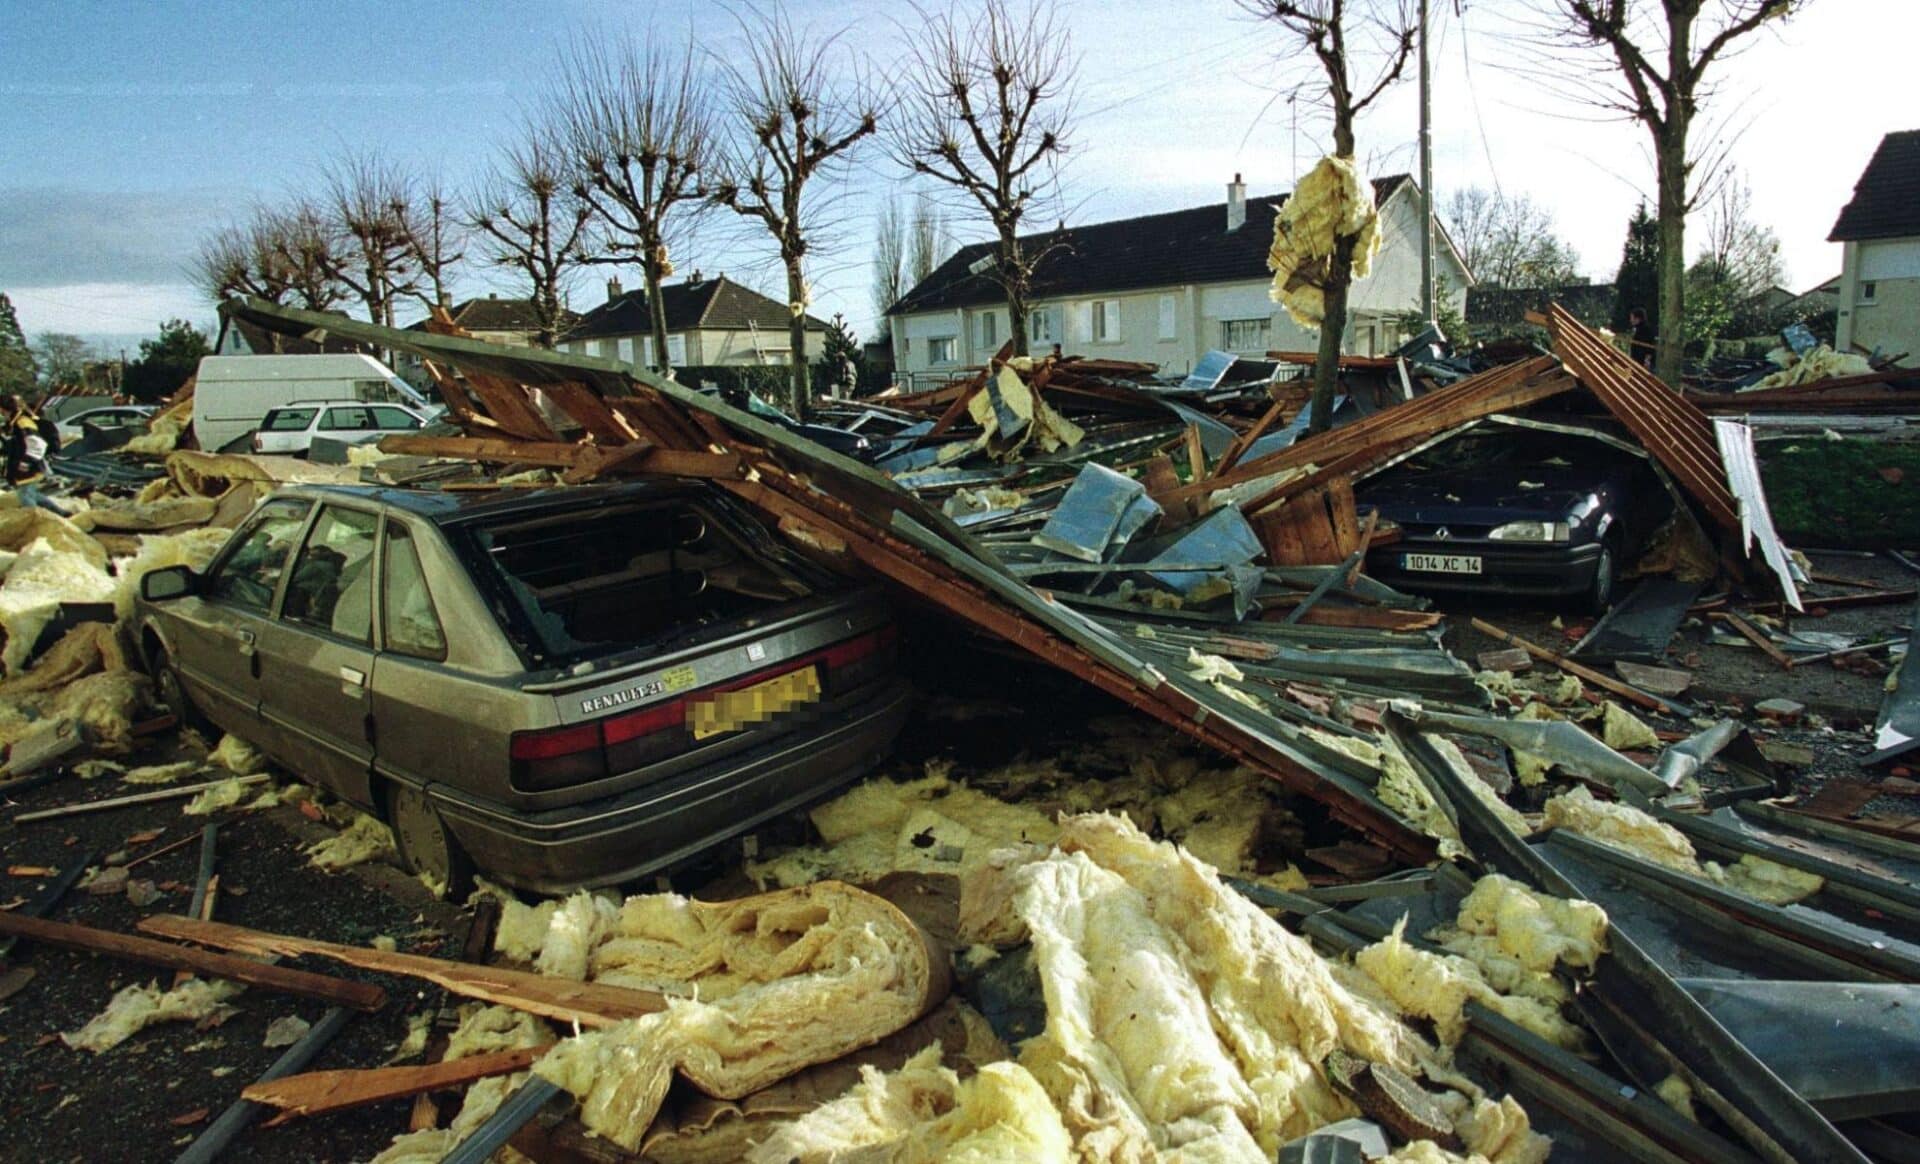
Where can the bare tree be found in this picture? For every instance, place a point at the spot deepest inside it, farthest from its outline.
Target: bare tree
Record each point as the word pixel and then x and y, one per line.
pixel 889 261
pixel 984 107
pixel 1653 60
pixel 635 122
pixel 1508 241
pixel 63 359
pixel 1744 253
pixel 272 256
pixel 930 240
pixel 1338 33
pixel 435 234
pixel 363 209
pixel 529 217
pixel 795 112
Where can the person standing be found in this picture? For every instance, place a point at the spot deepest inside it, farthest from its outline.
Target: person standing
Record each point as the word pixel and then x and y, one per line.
pixel 1645 342
pixel 26 454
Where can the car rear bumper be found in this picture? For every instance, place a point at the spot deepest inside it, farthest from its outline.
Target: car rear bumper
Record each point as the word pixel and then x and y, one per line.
pixel 1535 571
pixel 620 838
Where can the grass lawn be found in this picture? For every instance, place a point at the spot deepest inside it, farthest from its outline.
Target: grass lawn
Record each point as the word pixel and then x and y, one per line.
pixel 1844 494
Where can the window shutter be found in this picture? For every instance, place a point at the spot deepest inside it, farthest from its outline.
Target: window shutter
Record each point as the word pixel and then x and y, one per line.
pixel 1166 317
pixel 1083 323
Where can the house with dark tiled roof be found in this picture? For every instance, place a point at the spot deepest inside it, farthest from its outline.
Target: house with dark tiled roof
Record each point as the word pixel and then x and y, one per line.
pixel 1879 230
pixel 1164 289
pixel 709 322
pixel 514 322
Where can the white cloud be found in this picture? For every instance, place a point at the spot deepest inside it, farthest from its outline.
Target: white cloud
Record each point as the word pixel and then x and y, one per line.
pixel 107 309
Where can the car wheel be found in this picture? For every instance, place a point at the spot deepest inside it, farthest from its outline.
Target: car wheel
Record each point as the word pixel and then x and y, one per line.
pixel 427 847
pixel 173 692
pixel 1600 593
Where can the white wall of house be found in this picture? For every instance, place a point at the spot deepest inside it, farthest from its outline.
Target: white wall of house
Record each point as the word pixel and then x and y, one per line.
pixel 1174 326
pixel 1880 296
pixel 703 346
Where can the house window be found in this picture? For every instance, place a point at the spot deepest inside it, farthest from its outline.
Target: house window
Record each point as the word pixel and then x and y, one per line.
pixel 1106 321
pixel 1166 317
pixel 1043 325
pixel 1245 335
pixel 940 350
pixel 1867 292
pixel 676 349
pixel 626 350
pixel 986 326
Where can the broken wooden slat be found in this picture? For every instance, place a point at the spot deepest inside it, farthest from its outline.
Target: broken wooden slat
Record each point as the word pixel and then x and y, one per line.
pixel 588 1003
pixel 127 947
pixel 136 798
pixel 583 404
pixel 1659 680
pixel 1196 453
pixel 320 1092
pixel 1756 636
pixel 1605 682
pixel 242 1112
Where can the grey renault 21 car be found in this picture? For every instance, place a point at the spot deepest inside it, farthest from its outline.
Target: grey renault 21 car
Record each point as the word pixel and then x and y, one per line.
pixel 562 687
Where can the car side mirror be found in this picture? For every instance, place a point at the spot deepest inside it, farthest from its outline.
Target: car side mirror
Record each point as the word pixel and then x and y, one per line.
pixel 168 582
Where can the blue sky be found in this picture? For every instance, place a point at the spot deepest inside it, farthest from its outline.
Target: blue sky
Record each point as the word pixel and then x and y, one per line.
pixel 128 130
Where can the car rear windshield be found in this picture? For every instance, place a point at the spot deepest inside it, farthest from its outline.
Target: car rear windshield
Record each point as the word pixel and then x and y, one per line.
pixel 584 584
pixel 288 420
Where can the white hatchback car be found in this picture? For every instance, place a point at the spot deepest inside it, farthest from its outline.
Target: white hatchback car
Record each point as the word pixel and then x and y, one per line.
pixel 290 428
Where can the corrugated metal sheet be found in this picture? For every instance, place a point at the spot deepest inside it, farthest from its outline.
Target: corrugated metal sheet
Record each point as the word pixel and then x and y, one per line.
pixel 1735 441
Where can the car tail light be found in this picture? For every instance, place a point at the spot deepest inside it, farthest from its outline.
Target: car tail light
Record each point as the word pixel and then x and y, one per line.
pixel 560 757
pixel 256 442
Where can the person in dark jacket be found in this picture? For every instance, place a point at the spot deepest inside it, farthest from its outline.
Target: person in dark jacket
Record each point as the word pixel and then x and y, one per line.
pixel 1645 342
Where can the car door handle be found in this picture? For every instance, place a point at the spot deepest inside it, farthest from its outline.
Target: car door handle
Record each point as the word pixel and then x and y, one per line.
pixel 246 638
pixel 351 677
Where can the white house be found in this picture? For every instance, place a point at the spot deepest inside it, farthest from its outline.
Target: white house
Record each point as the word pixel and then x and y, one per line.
pixel 1880 260
pixel 709 321
pixel 1165 289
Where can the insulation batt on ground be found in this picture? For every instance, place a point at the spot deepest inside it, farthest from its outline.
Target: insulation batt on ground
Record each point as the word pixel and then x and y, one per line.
pixel 223 795
pixel 364 839
pixel 137 1007
pixel 1626 827
pixel 482 1029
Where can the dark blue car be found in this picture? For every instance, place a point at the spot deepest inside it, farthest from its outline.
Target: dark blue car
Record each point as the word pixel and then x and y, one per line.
pixel 1516 511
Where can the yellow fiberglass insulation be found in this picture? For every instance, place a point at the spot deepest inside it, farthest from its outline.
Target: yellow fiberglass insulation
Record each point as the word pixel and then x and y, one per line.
pixel 82 651
pixel 1437 987
pixel 20 528
pixel 237 756
pixel 1331 202
pixel 364 839
pixel 105 702
pixel 137 1007
pixel 925 1113
pixel 162 773
pixel 933 824
pixel 1516 937
pixel 799 976
pixel 1622 826
pixel 194 548
pixel 136 516
pixel 1181 1019
pixel 579 925
pixel 1767 881
pixel 523 928
pixel 1497 1132
pixel 223 795
pixel 39 580
pixel 1401 789
pixel 1623 731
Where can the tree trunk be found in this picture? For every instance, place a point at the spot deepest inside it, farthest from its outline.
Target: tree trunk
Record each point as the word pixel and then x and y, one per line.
pixel 656 307
pixel 799 387
pixel 1333 327
pixel 1015 279
pixel 1671 163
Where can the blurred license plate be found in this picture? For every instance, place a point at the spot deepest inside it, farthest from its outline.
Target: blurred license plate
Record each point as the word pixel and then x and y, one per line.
pixel 1441 563
pixel 731 711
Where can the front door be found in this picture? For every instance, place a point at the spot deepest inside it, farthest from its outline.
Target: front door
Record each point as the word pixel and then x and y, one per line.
pixel 216 642
pixel 317 657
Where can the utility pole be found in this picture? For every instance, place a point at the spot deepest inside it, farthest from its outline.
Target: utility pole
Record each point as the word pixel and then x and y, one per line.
pixel 1426 175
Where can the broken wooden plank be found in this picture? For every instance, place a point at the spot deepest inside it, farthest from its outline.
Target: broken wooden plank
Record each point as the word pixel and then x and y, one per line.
pixel 241 1113
pixel 320 1092
pixel 136 798
pixel 130 948
pixel 1756 636
pixel 590 1004
pixel 1605 682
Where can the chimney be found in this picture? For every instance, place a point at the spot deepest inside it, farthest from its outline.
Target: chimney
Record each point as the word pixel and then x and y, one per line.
pixel 613 289
pixel 1236 204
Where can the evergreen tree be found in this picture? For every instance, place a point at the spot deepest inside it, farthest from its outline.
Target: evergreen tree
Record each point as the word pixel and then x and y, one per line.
pixel 166 362
pixel 1638 283
pixel 18 368
pixel 839 349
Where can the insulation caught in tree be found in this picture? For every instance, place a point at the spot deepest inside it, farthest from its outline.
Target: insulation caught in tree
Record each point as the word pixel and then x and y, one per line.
pixel 1331 201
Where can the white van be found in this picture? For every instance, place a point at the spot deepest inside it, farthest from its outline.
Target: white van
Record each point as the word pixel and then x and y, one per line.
pixel 234 393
